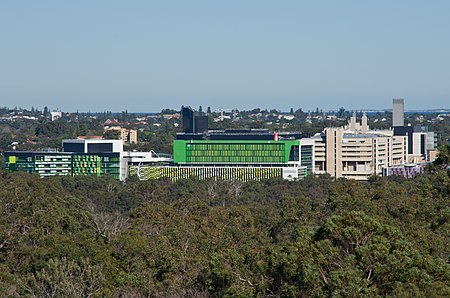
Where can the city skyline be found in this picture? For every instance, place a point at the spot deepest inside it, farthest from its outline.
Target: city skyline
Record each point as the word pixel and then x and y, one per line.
pixel 148 55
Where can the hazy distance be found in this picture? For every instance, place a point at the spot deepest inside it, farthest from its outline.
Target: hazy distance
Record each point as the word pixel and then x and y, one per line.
pixel 150 55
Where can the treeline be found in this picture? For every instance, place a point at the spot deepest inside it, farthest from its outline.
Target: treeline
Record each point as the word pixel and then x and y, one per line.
pixel 319 237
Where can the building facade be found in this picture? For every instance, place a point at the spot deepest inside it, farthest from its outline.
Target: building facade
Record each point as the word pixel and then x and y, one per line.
pixel 226 159
pixel 128 136
pixel 79 157
pixel 238 173
pixel 422 144
pixel 241 155
pixel 355 152
pixel 406 171
pixel 398 112
pixel 63 163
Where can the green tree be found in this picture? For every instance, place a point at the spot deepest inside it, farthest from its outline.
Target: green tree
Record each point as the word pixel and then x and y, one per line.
pixel 66 278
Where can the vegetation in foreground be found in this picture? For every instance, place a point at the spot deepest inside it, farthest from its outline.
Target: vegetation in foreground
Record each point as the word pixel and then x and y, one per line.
pixel 88 236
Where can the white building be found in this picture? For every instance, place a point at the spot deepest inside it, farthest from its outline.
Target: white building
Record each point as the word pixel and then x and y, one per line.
pixel 55 115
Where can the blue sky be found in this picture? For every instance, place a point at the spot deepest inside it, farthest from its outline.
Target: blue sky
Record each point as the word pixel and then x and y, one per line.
pixel 147 55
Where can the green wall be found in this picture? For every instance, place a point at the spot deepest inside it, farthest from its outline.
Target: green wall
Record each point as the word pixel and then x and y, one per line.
pixel 232 152
pixel 175 173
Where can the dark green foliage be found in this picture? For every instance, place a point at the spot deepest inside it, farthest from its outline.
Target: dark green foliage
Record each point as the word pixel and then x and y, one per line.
pixel 95 236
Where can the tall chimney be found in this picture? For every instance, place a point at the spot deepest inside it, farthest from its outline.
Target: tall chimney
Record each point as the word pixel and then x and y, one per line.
pixel 398 110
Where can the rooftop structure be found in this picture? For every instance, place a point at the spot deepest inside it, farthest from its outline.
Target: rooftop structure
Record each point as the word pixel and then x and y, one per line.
pixel 240 134
pixel 92 146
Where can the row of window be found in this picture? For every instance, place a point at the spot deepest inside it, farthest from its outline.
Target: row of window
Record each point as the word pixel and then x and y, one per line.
pixel 243 159
pixel 234 153
pixel 235 146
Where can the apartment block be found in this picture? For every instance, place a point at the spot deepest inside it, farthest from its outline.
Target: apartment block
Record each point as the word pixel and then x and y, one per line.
pixel 128 136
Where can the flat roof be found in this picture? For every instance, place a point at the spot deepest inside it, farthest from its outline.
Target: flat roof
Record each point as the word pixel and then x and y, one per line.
pixel 90 141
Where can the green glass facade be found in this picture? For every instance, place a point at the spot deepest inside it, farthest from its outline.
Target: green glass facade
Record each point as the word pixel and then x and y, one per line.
pixel 241 160
pixel 110 165
pixel 86 165
pixel 60 163
pixel 233 152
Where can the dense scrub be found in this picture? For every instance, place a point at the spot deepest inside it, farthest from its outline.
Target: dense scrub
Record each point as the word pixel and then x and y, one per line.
pixel 88 236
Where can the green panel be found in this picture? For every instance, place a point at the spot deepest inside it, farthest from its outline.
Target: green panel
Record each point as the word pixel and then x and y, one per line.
pixel 86 165
pixel 63 164
pixel 179 151
pixel 232 151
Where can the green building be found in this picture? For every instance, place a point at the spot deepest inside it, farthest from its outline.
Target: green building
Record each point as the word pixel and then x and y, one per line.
pixel 242 160
pixel 63 163
pixel 95 157
pixel 235 152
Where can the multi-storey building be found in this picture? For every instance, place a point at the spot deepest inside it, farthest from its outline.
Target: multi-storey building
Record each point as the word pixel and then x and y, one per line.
pixel 231 154
pixel 193 122
pixel 79 157
pixel 355 152
pixel 45 163
pixel 242 160
pixel 128 136
pixel 422 143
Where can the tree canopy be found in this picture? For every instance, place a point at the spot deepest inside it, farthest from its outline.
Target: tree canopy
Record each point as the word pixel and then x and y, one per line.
pixel 97 237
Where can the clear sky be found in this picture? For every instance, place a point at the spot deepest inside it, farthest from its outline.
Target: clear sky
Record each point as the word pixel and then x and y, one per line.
pixel 95 55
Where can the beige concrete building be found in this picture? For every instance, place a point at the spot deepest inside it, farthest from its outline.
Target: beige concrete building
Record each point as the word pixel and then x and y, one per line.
pixel 128 136
pixel 355 152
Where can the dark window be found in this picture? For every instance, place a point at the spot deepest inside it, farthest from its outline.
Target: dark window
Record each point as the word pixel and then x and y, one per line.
pixel 73 147
pixel 201 124
pixel 293 154
pixel 102 147
pixel 423 144
pixel 187 115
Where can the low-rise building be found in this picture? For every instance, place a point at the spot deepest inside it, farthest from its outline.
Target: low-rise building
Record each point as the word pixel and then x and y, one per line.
pixel 406 170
